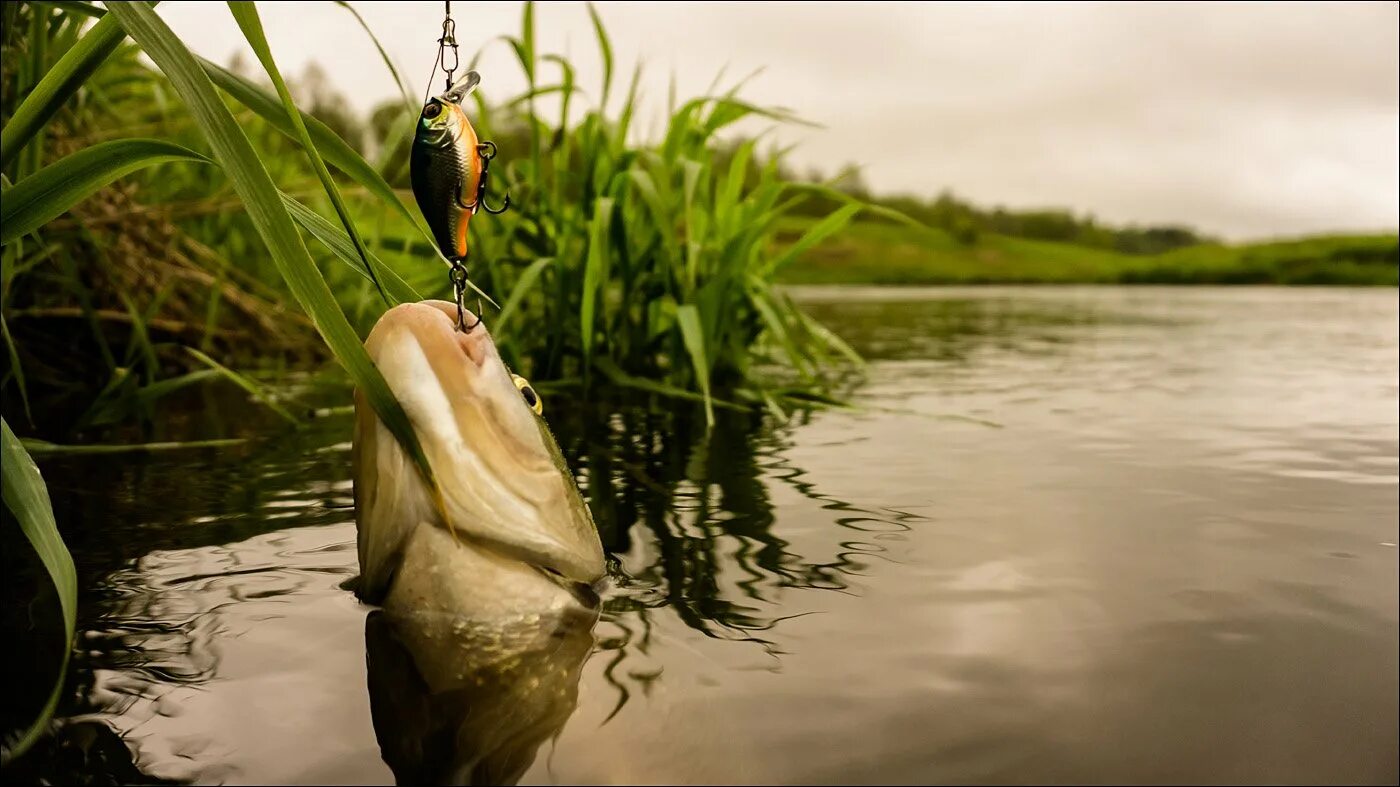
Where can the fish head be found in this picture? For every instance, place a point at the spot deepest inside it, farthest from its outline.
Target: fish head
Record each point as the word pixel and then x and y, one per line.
pixel 442 120
pixel 441 123
pixel 502 485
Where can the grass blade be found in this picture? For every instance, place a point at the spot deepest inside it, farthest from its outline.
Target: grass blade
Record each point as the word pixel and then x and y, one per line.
pixel 329 144
pixel 595 272
pixel 41 447
pixel 154 391
pixel 389 63
pixel 693 333
pixel 17 368
pixel 254 390
pixel 518 293
pixel 51 191
pixel 660 217
pixel 605 49
pixel 341 246
pixel 727 201
pixel 527 41
pixel 271 219
pixel 827 336
pixel 25 494
pixel 140 340
pixel 816 234
pixel 32 156
pixel 246 14
pixel 765 308
pixel 57 86
pixel 75 6
pixel 611 370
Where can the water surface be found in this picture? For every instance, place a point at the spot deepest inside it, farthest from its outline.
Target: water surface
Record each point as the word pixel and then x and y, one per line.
pixel 1069 534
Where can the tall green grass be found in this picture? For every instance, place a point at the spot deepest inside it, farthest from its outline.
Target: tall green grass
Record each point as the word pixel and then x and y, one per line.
pixel 621 263
pixel 656 260
pixel 27 497
pixel 154 227
pixel 41 194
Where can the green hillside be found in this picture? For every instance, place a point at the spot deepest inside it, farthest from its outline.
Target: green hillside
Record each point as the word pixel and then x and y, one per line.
pixel 883 253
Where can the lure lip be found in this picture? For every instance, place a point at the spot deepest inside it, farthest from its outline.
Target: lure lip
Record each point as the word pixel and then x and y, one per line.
pixel 461 88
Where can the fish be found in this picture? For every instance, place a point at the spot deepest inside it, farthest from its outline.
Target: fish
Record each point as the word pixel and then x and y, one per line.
pixel 506 533
pixel 446 167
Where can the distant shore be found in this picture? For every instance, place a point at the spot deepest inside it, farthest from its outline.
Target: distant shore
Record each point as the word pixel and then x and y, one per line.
pixel 883 253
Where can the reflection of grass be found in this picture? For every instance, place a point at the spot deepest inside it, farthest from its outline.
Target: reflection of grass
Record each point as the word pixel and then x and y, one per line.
pixel 874 253
pixel 700 500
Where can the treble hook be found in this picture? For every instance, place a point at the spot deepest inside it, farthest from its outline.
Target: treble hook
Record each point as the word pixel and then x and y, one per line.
pixel 487 151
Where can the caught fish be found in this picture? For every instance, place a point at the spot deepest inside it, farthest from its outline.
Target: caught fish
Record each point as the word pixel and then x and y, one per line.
pixel 510 536
pixel 486 591
pixel 447 167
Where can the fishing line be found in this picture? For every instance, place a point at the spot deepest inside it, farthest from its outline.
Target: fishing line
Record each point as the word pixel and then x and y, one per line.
pixel 447 40
pixel 457 273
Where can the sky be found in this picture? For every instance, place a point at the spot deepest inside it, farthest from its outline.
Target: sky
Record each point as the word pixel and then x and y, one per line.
pixel 1243 120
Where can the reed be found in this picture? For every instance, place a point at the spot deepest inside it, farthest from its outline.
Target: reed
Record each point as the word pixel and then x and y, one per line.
pixel 655 261
pixel 154 228
pixel 639 264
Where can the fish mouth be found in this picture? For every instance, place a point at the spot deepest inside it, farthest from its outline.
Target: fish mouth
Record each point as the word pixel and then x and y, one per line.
pixel 503 486
pixel 475 342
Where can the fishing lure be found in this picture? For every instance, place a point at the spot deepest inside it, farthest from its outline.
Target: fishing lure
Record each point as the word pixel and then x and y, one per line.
pixel 449 166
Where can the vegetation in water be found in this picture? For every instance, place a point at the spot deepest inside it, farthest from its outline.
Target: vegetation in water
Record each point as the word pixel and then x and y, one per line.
pixel 644 265
pixel 640 264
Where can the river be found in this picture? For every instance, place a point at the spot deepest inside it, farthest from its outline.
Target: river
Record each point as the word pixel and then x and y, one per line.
pixel 1080 535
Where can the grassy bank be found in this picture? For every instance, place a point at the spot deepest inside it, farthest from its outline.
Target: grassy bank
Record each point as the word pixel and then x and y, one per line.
pixel 136 244
pixel 881 253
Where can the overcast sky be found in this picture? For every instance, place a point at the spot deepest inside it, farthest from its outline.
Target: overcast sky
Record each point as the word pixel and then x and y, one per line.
pixel 1244 120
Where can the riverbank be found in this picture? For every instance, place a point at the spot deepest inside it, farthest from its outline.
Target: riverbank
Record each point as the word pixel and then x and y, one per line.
pixel 882 253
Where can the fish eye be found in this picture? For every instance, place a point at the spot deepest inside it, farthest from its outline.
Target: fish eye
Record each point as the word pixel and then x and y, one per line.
pixel 432 110
pixel 531 398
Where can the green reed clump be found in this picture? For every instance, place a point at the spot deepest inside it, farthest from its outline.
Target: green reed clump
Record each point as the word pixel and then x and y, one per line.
pixel 650 264
pixel 40 187
pixel 155 220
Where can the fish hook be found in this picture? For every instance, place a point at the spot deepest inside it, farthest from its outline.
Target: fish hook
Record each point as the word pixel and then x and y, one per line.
pixel 458 276
pixel 487 151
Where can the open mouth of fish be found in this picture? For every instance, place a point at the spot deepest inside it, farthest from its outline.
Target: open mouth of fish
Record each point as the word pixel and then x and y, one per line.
pixel 507 529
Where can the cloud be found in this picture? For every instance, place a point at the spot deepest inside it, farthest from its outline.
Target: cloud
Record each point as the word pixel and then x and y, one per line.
pixel 1245 120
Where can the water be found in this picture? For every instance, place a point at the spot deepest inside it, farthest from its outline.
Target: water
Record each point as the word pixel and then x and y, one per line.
pixel 1081 534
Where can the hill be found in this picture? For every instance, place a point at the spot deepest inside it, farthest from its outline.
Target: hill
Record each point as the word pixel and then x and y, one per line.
pixel 884 253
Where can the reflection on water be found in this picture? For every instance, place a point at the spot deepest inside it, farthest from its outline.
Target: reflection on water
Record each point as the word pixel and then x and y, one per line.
pixel 1103 534
pixel 455 703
